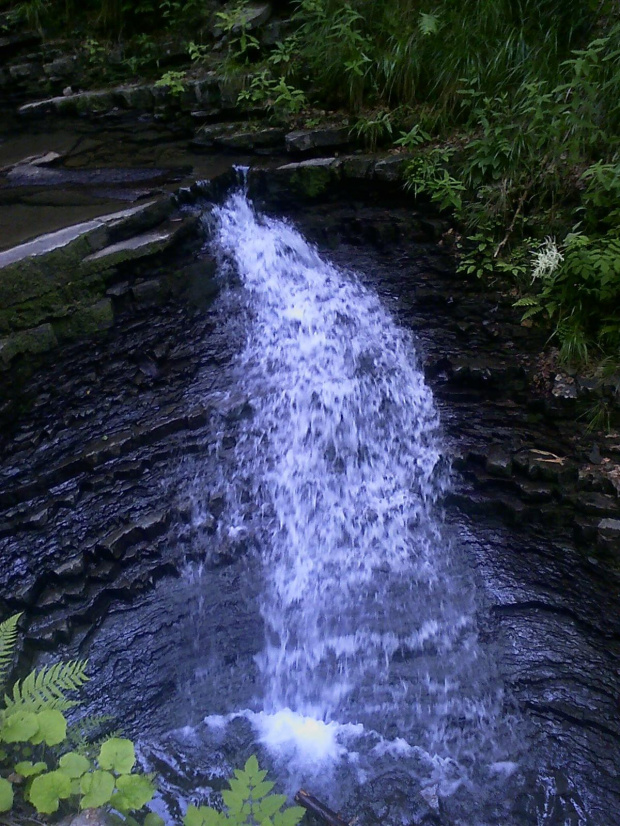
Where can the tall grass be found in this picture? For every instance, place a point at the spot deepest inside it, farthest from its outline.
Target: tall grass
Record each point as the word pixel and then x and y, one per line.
pixel 419 51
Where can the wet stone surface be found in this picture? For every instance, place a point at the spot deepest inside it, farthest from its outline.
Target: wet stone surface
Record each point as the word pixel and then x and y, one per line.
pixel 97 540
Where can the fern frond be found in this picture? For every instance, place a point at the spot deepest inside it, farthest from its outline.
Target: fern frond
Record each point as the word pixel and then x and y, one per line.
pixel 87 734
pixel 8 638
pixel 47 687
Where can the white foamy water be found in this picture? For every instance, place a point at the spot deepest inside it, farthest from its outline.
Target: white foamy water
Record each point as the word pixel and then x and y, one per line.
pixel 371 653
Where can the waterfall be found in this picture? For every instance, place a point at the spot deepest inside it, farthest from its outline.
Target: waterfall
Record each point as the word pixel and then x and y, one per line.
pixel 371 651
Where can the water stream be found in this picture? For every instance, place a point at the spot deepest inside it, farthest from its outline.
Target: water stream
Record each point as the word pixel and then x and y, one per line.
pixel 371 661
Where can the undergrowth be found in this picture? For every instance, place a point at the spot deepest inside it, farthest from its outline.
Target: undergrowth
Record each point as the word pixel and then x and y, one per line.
pixel 49 766
pixel 510 109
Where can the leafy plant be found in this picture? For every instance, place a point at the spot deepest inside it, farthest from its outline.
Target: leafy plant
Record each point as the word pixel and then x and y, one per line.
pixel 235 24
pixel 579 289
pixel 428 174
pixel 174 81
pixel 414 138
pixel 33 733
pixel 248 803
pixel 373 128
pixel 197 52
pixel 274 93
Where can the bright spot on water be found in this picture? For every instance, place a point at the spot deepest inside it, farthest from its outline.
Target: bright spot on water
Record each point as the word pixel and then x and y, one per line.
pixel 299 740
pixel 302 738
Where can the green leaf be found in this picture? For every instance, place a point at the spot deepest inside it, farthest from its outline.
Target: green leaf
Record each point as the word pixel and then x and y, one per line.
pixel 251 767
pixel 233 800
pixel 73 764
pixel 97 788
pixel 137 789
pixel 6 795
pixel 270 805
pixel 8 637
pixel 47 790
pixel 28 769
pixel 204 816
pixel 19 727
pixel 52 727
pixel 290 816
pixel 261 789
pixel 240 785
pixel 153 819
pixel 118 755
pixel 45 689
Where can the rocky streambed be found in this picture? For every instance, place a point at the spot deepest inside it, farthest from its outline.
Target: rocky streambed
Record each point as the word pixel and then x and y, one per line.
pixel 102 550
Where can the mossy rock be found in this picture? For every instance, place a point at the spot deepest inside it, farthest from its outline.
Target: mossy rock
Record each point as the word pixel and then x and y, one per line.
pixel 85 321
pixel 36 340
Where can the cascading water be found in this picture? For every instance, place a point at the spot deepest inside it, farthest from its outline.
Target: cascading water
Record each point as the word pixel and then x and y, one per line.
pixel 371 658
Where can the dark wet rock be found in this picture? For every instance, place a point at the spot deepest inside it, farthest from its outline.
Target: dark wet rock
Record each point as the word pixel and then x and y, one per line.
pixel 395 796
pixel 533 491
pixel 13 44
pixel 358 167
pixel 85 321
pixel 72 567
pixel 34 340
pixel 120 540
pixel 61 67
pixel 60 278
pixel 140 246
pixel 149 292
pixel 594 504
pixel 499 463
pixel 303 181
pixel 391 169
pixel 254 141
pixel 199 282
pixel 609 534
pixel 25 71
pixel 309 139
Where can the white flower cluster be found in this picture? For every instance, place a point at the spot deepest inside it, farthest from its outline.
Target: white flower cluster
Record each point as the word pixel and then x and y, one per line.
pixel 546 259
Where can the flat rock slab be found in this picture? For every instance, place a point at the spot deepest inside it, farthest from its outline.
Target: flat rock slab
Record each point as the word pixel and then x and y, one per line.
pixel 61 238
pixel 35 174
pixel 309 139
pixel 140 246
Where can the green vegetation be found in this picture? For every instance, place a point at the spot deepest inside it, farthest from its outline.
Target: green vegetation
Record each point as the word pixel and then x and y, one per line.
pixel 248 803
pixel 39 766
pixel 50 766
pixel 511 109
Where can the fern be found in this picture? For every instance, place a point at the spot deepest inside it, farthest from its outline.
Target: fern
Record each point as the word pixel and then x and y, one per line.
pixel 8 638
pixel 87 734
pixel 47 687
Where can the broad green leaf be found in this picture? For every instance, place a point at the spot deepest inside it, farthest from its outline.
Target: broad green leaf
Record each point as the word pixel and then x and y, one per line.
pixel 262 789
pixel 204 816
pixel 19 727
pixel 47 790
pixel 28 769
pixel 118 755
pixel 233 800
pixel 73 764
pixel 6 795
pixel 251 766
pixel 153 819
pixel 289 817
pixel 270 805
pixel 136 789
pixel 97 788
pixel 120 803
pixel 240 786
pixel 241 775
pixel 52 727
